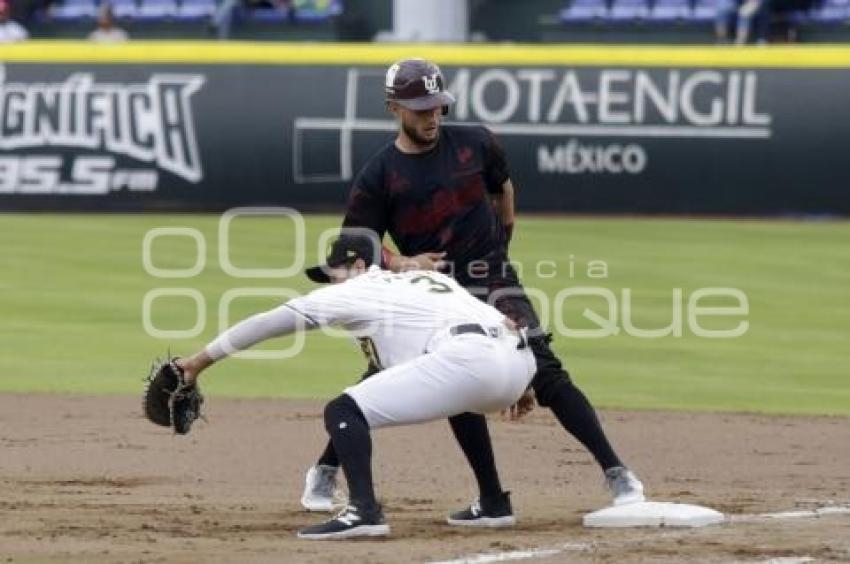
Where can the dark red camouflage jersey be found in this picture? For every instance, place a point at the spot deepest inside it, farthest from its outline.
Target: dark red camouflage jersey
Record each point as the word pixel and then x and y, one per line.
pixel 435 201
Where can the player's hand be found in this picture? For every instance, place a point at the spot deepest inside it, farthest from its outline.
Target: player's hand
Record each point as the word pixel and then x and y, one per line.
pixel 425 261
pixel 522 407
pixel 190 373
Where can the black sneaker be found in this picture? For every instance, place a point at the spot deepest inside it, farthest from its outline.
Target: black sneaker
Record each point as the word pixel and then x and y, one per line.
pixel 350 522
pixel 487 512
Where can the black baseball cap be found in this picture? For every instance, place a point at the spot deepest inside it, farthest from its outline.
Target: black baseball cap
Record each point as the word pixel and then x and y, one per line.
pixel 344 251
pixel 417 84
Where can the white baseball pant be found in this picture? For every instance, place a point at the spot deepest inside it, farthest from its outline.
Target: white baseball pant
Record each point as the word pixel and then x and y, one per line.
pixel 467 372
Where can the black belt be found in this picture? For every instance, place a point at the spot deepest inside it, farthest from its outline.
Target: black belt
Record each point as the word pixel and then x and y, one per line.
pixel 478 329
pixel 468 328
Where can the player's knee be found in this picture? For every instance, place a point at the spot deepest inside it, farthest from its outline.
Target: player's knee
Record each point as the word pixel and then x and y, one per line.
pixel 342 409
pixel 550 384
pixel 551 379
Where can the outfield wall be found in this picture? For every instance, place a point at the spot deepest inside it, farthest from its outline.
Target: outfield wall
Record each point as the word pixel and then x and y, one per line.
pixel 171 126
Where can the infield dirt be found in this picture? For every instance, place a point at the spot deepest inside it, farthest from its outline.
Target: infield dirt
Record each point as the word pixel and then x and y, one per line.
pixel 88 479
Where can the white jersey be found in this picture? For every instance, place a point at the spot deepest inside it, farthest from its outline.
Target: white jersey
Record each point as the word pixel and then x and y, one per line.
pixel 396 315
pixel 398 318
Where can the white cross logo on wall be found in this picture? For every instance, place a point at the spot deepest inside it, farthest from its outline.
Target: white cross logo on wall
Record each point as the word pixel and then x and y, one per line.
pixel 431 84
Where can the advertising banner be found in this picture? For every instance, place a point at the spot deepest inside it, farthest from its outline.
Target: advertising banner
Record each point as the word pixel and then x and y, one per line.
pixel 599 138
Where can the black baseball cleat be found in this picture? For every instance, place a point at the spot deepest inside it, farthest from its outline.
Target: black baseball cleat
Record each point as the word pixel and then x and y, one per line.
pixel 350 522
pixel 486 512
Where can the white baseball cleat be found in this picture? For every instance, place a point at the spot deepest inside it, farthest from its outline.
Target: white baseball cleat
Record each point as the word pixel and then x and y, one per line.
pixel 320 491
pixel 624 485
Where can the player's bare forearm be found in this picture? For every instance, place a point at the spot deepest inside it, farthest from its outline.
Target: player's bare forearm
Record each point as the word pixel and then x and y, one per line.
pixel 425 261
pixel 506 205
pixel 193 366
pixel 503 204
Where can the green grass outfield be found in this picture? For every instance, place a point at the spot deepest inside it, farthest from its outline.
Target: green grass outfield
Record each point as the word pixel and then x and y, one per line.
pixel 72 288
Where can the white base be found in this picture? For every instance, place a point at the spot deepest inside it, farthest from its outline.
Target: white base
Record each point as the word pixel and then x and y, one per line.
pixel 653 514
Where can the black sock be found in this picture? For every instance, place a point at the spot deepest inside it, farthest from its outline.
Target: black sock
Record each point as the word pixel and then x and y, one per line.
pixel 349 432
pixel 575 413
pixel 470 430
pixel 329 457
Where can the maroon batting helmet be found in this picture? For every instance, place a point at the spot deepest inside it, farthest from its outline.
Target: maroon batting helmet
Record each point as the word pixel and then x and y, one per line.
pixel 417 84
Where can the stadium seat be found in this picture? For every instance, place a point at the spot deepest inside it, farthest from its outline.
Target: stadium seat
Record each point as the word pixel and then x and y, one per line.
pixel 193 10
pixel 581 11
pixel 151 10
pixel 670 10
pixel 268 15
pixel 74 10
pixel 124 9
pixel 704 11
pixel 831 11
pixel 624 10
pixel 316 10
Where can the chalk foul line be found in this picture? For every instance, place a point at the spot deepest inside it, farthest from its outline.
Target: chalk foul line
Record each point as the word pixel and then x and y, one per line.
pixel 543 552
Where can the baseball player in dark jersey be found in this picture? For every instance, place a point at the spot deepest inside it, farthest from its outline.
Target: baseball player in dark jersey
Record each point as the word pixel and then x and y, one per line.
pixel 444 195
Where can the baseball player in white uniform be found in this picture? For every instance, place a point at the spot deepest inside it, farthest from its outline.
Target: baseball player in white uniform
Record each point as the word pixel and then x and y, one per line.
pixel 441 352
